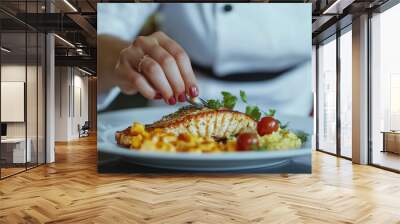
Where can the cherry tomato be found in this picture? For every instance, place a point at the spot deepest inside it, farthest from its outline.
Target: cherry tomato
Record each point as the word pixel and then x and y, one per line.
pixel 267 125
pixel 247 141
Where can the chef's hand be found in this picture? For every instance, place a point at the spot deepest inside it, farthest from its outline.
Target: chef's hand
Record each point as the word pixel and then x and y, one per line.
pixel 158 68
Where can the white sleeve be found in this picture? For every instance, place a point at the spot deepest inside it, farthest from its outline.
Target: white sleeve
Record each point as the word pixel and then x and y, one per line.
pixel 123 20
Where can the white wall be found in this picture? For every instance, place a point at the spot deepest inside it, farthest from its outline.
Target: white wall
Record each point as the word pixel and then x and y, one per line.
pixel 80 103
pixel 61 103
pixel 71 94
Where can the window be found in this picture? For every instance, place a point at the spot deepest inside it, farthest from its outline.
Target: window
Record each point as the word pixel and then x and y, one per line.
pixel 385 89
pixel 346 93
pixel 333 137
pixel 327 96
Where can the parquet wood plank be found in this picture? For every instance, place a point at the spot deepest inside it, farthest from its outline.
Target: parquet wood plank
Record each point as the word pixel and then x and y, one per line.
pixel 71 191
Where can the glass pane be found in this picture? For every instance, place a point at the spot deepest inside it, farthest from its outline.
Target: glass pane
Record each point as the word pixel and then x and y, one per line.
pixel 13 86
pixel 327 97
pixel 386 89
pixel 31 98
pixel 346 94
pixel 32 89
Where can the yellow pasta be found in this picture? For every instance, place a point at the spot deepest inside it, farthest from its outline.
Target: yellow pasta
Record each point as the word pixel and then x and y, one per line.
pixel 160 140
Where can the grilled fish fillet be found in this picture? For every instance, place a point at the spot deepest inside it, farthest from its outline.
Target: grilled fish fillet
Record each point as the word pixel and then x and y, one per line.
pixel 208 122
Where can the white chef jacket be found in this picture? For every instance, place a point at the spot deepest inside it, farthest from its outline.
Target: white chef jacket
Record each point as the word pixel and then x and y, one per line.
pixel 251 37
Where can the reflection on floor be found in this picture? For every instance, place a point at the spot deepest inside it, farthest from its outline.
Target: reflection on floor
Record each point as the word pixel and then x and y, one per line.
pixel 10 169
pixel 386 159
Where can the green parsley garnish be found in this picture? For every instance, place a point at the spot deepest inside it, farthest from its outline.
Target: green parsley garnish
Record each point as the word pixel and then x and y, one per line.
pixel 254 112
pixel 229 100
pixel 214 104
pixel 243 96
pixel 302 136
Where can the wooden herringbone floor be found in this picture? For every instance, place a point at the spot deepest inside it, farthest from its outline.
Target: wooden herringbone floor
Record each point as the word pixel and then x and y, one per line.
pixel 71 191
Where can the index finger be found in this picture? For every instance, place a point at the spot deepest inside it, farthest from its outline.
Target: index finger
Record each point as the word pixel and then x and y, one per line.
pixel 182 60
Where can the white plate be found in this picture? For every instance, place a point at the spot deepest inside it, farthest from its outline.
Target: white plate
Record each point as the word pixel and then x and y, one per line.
pixel 110 122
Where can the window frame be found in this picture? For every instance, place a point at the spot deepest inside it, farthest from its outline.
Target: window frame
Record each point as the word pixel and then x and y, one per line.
pixel 334 37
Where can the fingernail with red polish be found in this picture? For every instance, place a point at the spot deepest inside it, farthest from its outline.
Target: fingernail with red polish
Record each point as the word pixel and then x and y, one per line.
pixel 193 91
pixel 182 97
pixel 158 96
pixel 172 101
